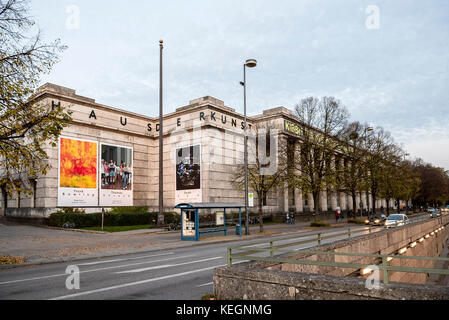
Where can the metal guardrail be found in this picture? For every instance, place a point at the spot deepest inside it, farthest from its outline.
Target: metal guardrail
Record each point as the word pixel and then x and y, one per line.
pixel 382 262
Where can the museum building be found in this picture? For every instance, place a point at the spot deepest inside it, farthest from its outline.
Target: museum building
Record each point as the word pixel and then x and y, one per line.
pixel 109 157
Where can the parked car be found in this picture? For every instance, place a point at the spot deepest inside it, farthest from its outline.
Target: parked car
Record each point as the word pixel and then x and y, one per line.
pixel 445 209
pixel 396 220
pixel 376 219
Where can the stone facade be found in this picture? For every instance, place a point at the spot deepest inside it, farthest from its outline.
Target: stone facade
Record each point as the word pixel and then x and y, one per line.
pixel 206 121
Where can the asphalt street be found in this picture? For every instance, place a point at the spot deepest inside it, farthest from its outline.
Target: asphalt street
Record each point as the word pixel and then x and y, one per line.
pixel 178 274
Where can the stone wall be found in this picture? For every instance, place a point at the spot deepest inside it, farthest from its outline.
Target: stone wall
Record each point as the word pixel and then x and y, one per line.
pixel 273 280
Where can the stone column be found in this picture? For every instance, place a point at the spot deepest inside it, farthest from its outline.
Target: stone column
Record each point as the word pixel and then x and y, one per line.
pixel 298 201
pixel 323 200
pixel 298 192
pixel 349 202
pixel 343 200
pixel 286 197
pixel 357 202
pixel 364 200
pixel 311 203
pixel 333 192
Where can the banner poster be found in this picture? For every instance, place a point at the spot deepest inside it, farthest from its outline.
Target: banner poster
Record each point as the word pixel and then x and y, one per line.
pixel 188 174
pixel 116 176
pixel 77 173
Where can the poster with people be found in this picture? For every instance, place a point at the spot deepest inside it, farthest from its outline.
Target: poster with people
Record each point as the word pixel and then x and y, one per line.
pixel 188 174
pixel 77 173
pixel 116 176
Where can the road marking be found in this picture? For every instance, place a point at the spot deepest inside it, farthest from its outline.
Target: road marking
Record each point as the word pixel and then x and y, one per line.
pixel 134 283
pixel 167 265
pixel 100 269
pixel 206 284
pixel 125 259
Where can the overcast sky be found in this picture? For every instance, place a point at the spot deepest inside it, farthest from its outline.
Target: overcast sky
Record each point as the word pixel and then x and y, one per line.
pixel 387 61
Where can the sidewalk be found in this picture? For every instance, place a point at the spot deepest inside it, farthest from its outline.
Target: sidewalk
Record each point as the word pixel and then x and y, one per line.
pixel 39 244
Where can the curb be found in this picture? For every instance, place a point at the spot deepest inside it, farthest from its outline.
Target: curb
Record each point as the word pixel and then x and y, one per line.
pixel 169 247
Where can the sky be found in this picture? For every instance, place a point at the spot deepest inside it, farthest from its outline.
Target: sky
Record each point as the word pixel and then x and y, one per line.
pixel 386 61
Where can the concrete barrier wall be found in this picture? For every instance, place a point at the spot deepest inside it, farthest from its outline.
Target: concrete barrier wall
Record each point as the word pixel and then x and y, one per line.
pixel 384 242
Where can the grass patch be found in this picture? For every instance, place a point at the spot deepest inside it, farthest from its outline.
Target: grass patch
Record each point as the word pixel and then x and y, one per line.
pixel 209 296
pixel 6 259
pixel 319 224
pixel 120 228
pixel 357 221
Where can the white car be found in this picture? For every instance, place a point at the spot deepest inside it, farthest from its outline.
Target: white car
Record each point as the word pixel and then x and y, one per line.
pixel 396 220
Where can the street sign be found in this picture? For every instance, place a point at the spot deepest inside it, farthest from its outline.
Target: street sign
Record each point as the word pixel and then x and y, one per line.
pixel 250 199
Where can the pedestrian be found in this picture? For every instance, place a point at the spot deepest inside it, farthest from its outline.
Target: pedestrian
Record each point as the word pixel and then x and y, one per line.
pixel 342 216
pixel 336 216
pixel 293 218
pixel 287 218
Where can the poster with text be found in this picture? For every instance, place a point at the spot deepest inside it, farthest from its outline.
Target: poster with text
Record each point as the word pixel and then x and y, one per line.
pixel 116 176
pixel 188 174
pixel 77 173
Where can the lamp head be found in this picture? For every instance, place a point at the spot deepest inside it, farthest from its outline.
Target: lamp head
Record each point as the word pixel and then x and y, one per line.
pixel 251 63
pixel 369 129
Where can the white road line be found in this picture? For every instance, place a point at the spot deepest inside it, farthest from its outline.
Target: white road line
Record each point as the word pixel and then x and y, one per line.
pixel 100 269
pixel 206 284
pixel 134 283
pixel 167 265
pixel 124 259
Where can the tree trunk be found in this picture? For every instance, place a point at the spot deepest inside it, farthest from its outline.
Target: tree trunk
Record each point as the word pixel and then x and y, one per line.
pixel 388 207
pixel 354 204
pixel 260 215
pixel 399 207
pixel 373 196
pixel 316 196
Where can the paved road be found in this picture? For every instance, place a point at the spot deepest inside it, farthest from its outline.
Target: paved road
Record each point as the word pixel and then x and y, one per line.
pixel 183 273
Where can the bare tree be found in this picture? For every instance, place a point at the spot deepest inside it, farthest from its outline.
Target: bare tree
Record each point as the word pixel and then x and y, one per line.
pixel 380 155
pixel 352 178
pixel 264 173
pixel 323 122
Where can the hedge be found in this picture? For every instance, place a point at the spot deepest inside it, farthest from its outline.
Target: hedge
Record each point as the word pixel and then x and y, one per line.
pixel 125 218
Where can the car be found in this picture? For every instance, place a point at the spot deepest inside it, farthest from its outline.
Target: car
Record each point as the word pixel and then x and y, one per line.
pixel 445 209
pixel 434 214
pixel 376 220
pixel 396 220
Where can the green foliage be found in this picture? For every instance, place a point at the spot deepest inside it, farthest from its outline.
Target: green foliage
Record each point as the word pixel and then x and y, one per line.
pixel 357 221
pixel 319 224
pixel 27 128
pixel 82 220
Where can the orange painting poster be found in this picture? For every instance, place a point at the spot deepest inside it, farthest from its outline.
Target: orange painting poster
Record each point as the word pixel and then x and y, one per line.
pixel 78 164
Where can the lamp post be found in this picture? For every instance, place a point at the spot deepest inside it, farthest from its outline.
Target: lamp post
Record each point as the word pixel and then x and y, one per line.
pixel 160 216
pixel 250 63
pixel 367 192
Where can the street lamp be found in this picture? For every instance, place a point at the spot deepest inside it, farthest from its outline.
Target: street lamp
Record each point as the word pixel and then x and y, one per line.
pixel 367 192
pixel 250 63
pixel 160 216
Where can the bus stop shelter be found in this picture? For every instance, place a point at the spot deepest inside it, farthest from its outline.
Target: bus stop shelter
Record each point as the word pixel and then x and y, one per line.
pixel 190 226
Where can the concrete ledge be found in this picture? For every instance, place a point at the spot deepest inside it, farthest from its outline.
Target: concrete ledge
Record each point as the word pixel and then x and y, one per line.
pixel 245 282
